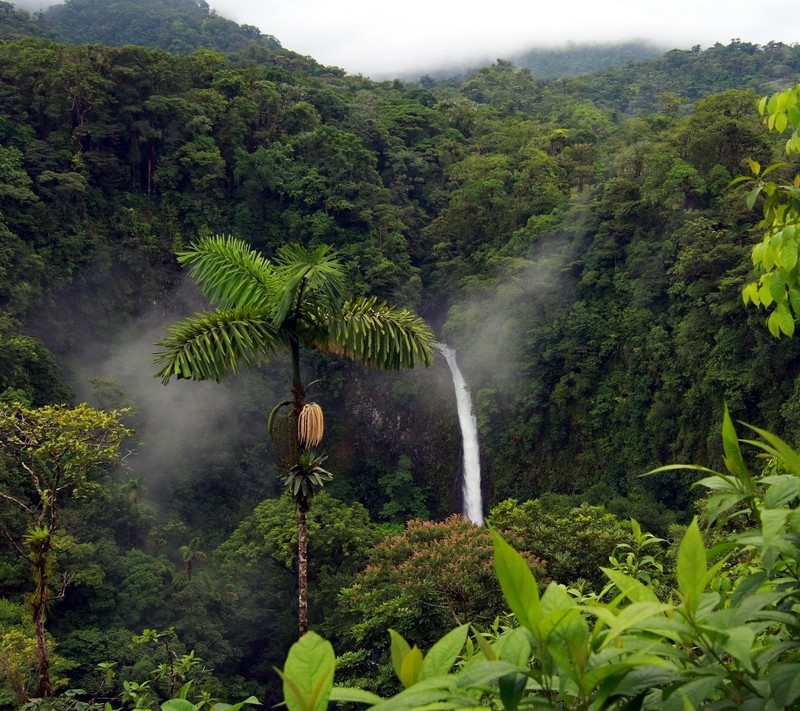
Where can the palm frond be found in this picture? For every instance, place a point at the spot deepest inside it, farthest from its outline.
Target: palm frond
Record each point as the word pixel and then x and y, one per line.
pixel 210 345
pixel 310 275
pixel 375 334
pixel 230 273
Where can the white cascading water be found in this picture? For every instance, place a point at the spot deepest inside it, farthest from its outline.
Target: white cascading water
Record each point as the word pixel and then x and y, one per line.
pixel 473 503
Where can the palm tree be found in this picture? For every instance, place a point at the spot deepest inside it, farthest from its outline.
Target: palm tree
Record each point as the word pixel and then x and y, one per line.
pixel 262 307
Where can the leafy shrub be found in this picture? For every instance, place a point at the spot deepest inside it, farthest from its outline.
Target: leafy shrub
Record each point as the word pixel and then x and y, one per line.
pixel 727 636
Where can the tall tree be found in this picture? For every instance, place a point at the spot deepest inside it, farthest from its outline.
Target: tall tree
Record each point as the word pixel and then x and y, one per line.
pixel 296 301
pixel 49 453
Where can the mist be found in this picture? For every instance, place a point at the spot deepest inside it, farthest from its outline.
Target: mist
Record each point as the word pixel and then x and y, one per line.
pixel 384 39
pixel 185 430
pixel 491 328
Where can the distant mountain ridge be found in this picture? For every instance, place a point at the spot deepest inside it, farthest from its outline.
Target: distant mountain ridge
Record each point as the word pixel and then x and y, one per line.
pixel 178 26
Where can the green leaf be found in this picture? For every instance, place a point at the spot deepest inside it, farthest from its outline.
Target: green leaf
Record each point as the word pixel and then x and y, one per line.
pixel 511 688
pixel 308 674
pixel 738 643
pixel 421 694
pixel 631 616
pixel 517 583
pixel 691 570
pixel 752 196
pixel 178 705
pixel 631 588
pixel 485 647
pixel 733 459
pixel 719 504
pixel 411 667
pixel 789 255
pixel 349 694
pixel 399 650
pixel 784 682
pixel 782 490
pixel 441 657
pixel 777 447
pixel 781 321
pixel 478 676
pixel 514 647
pixel 249 701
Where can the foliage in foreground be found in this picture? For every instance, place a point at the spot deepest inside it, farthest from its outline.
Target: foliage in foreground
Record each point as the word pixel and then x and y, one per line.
pixel 726 637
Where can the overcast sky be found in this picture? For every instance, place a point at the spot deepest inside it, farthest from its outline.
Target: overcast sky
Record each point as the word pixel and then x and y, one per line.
pixel 381 38
pixel 389 37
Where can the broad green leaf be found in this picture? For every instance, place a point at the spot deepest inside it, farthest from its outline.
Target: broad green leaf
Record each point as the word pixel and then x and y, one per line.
pixel 752 196
pixel 517 583
pixel 691 567
pixel 733 455
pixel 249 701
pixel 777 447
pixel 789 255
pixel 178 705
pixel 719 483
pixel 782 489
pixel 784 682
pixel 411 667
pixel 478 676
pixel 399 650
pixel 441 657
pixel 781 122
pixel 486 648
pixel 514 647
pixel 739 644
pixel 308 674
pixel 352 695
pixel 777 287
pixel 421 694
pixel 631 616
pixel 719 504
pixel 631 588
pixel 511 688
pixel 784 320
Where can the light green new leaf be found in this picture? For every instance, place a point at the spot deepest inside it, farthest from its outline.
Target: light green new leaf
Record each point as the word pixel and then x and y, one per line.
pixel 420 695
pixel 399 650
pixel 486 649
pixel 249 701
pixel 308 674
pixel 692 568
pixel 631 616
pixel 517 583
pixel 629 587
pixel 441 657
pixel 349 694
pixel 411 667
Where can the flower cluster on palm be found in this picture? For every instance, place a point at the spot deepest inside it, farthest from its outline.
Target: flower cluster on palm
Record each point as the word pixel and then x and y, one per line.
pixel 262 306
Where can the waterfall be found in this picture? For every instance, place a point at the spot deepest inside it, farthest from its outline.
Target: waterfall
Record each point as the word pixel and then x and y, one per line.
pixel 471 487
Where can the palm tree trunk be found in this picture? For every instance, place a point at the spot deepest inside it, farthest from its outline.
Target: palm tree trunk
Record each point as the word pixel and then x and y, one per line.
pixel 302 566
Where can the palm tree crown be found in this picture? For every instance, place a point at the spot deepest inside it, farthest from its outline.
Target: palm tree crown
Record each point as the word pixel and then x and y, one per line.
pixel 264 306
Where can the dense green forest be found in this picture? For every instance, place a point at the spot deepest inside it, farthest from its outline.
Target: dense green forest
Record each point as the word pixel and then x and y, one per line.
pixel 576 239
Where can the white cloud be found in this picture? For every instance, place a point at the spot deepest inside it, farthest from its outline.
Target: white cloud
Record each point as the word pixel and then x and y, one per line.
pixel 386 37
pixel 391 37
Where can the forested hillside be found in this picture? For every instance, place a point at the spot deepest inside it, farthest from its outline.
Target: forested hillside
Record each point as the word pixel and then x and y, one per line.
pixel 575 239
